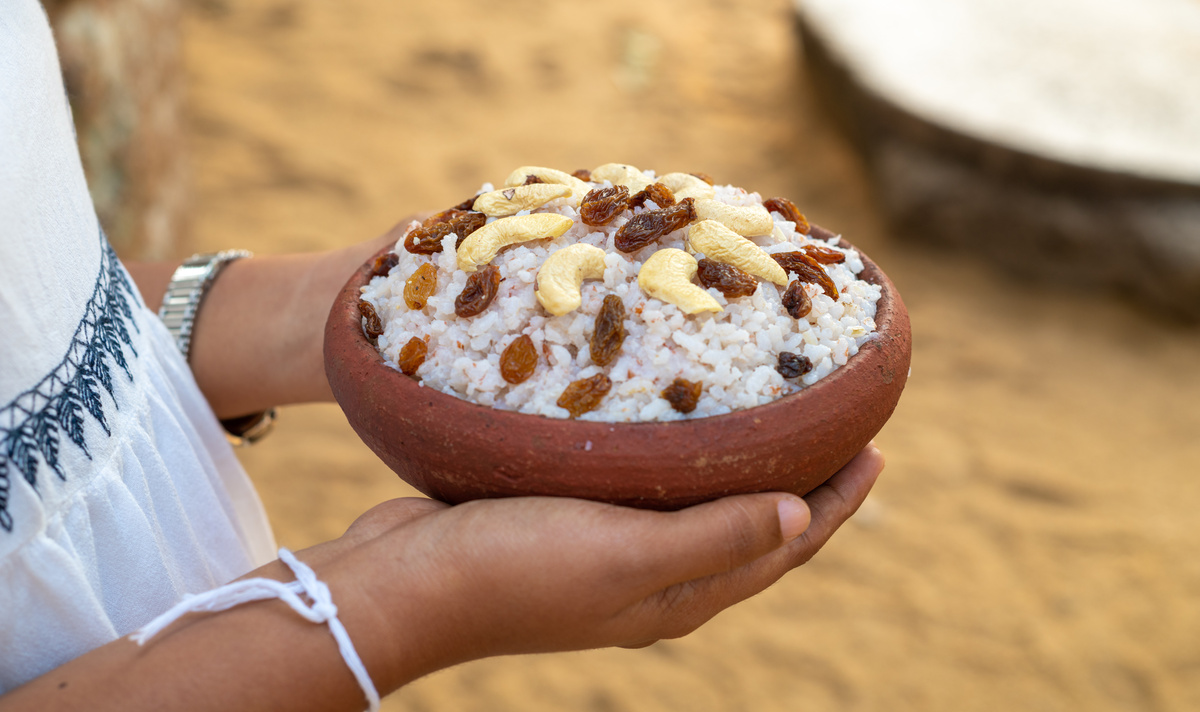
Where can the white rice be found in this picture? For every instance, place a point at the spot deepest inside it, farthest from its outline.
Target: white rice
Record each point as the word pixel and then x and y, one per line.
pixel 733 352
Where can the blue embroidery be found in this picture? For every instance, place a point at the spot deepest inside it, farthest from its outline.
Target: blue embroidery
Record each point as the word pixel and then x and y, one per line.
pixel 33 424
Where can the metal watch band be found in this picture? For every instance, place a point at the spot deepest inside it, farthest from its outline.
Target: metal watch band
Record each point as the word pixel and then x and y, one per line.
pixel 187 289
pixel 185 293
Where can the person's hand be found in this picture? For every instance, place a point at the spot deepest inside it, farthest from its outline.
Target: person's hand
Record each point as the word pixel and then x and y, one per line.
pixel 422 586
pixel 528 575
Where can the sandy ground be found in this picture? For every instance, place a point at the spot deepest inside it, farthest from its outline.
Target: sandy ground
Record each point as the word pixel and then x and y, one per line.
pixel 1033 542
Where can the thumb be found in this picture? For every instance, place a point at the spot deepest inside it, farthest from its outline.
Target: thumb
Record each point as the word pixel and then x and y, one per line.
pixel 725 534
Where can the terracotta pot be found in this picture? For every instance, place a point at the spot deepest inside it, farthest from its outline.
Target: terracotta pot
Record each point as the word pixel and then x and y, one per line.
pixel 456 451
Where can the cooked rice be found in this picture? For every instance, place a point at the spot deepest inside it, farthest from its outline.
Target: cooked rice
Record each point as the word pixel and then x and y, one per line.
pixel 733 352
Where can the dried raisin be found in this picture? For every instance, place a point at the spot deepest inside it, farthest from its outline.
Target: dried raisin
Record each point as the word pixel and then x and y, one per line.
pixel 683 395
pixel 825 255
pixel 412 355
pixel 585 394
pixel 384 263
pixel 729 280
pixel 789 211
pixel 583 174
pixel 420 285
pixel 479 292
pixel 644 228
pixel 444 216
pixel 518 360
pixel 659 193
pixel 374 326
pixel 427 239
pixel 796 300
pixel 609 333
pixel 808 270
pixel 467 224
pixel 793 365
pixel 601 205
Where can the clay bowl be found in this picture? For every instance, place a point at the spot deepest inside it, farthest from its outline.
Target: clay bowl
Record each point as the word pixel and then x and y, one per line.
pixel 456 451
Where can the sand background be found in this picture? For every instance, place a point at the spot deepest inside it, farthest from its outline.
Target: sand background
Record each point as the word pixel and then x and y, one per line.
pixel 1033 542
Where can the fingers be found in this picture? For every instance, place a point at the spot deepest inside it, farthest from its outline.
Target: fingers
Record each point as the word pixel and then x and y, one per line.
pixel 832 503
pixel 720 536
pixel 685 606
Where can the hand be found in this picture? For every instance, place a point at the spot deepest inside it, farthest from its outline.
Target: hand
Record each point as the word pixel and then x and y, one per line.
pixel 527 575
pixel 422 586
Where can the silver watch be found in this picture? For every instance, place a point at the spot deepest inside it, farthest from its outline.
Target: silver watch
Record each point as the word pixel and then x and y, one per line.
pixel 185 293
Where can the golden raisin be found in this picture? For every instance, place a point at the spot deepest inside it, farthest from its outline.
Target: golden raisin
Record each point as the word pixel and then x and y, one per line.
pixel 518 360
pixel 644 228
pixel 793 365
pixel 412 355
pixel 601 205
pixel 480 291
pixel 659 193
pixel 683 395
pixel 374 326
pixel 789 211
pixel 583 174
pixel 585 394
pixel 704 177
pixel 729 280
pixel 609 333
pixel 825 255
pixel 420 285
pixel 808 270
pixel 796 300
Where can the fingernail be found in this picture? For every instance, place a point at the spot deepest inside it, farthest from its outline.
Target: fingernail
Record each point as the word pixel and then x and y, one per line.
pixel 793 517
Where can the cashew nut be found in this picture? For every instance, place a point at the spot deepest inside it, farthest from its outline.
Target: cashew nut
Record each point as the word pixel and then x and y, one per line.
pixel 579 188
pixel 510 201
pixel 621 174
pixel 667 275
pixel 482 245
pixel 562 274
pixel 686 185
pixel 720 244
pixel 744 220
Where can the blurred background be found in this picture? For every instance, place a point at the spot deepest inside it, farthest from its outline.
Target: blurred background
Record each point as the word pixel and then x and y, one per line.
pixel 1033 541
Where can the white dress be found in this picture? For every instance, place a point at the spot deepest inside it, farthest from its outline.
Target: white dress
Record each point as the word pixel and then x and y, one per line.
pixel 118 491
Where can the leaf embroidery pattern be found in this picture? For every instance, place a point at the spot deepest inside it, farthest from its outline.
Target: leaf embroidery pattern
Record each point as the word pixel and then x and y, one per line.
pixel 34 426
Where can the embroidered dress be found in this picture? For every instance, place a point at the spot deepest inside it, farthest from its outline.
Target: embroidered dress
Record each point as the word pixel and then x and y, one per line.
pixel 118 491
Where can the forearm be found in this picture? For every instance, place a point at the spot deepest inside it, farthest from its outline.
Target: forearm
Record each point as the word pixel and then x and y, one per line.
pixel 258 337
pixel 258 655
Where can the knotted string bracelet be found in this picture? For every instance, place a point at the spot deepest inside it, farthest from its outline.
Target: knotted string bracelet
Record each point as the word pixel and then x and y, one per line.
pixel 321 610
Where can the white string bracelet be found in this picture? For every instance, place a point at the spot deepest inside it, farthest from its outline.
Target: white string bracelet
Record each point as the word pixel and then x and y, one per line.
pixel 233 594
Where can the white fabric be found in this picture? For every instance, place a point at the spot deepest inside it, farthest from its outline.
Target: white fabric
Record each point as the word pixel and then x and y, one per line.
pixel 321 610
pixel 118 492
